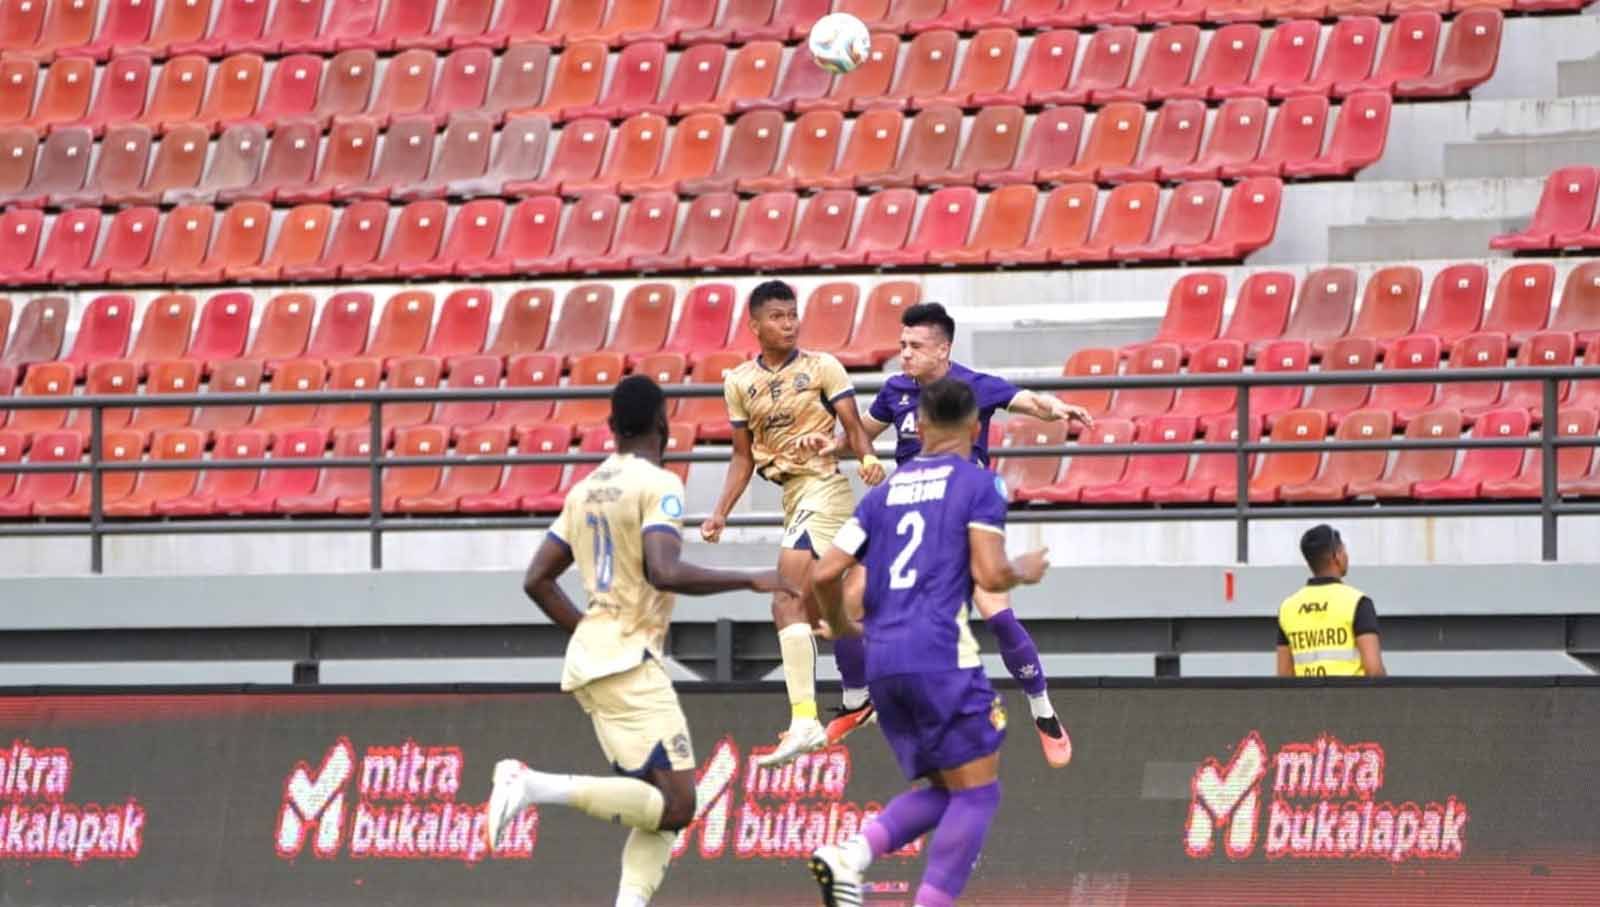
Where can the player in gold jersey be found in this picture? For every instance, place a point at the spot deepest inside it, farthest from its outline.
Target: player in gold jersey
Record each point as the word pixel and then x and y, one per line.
pixel 622 526
pixel 784 406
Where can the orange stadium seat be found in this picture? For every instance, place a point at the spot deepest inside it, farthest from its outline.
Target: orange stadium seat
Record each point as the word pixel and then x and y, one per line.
pixel 1052 145
pixel 356 239
pixel 1389 305
pixel 600 369
pixel 1285 468
pixel 1007 219
pixel 1188 223
pixel 1481 465
pixel 1062 225
pixel 525 481
pixel 1086 471
pixel 44 379
pixel 986 69
pixel 830 314
pixel 642 326
pixel 803 80
pixel 1146 471
pixel 164 331
pixel 220 484
pixel 65 95
pixel 1113 141
pixel 123 87
pixel 346 85
pixel 1128 216
pixel 1029 472
pixel 238 376
pixel 595 441
pixel 1521 304
pixel 884 227
pixel 332 485
pixel 1139 403
pixel 412 373
pixel 1194 312
pixel 709 414
pixel 1168 61
pixel 1174 141
pixel 696 143
pixel 238 28
pixel 462 480
pixel 813 148
pixel 752 153
pixel 530 234
pixel 349 375
pixel 116 447
pixel 1214 477
pixel 108 378
pixel 1347 354
pixel 635 82
pixel 155 487
pixel 528 370
pixel 991 146
pixel 167 378
pixel 1344 468
pixel 944 224
pixel 1091 362
pixel 1249 221
pixel 1473 398
pixel 929 148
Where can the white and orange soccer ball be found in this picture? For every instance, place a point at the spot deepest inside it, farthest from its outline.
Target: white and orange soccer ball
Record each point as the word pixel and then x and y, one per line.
pixel 840 42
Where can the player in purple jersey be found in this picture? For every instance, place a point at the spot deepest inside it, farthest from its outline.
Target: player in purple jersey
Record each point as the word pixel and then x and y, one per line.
pixel 927 331
pixel 927 536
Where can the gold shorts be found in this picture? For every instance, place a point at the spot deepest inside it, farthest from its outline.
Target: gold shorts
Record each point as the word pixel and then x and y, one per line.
pixel 634 713
pixel 814 510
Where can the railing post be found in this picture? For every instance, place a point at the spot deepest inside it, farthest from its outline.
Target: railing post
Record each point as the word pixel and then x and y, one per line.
pixel 375 457
pixel 1241 543
pixel 96 492
pixel 1548 494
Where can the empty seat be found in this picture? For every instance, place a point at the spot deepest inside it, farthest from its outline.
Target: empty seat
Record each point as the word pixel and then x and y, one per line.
pixel 19 147
pixel 1521 304
pixel 1113 141
pixel 1345 468
pixel 1168 61
pixel 585 319
pixel 291 161
pixel 694 80
pixel 1572 463
pixel 1455 303
pixel 737 16
pixel 219 484
pixel 63 165
pixel 403 327
pixel 180 246
pixel 341 331
pixel 470 245
pixel 577 157
pixel 1471 52
pixel 356 240
pixel 167 378
pixel 945 222
pixel 127 246
pixel 752 152
pixel 413 241
pixel 103 331
pixel 1401 401
pixel 64 99
pixel 1062 227
pixel 1190 218
pixel 528 370
pixel 589 370
pixel 21 230
pixel 1107 62
pixel 524 481
pixel 1138 403
pixel 1389 305
pixel 1565 208
pixel 121 98
pixel 530 234
pixel 1408 53
pixel 1085 471
pixel 991 147
pixel 1173 142
pixel 1295 138
pixel 44 379
pixel 1359 137
pixel 1481 465
pixel 1579 311
pixel 1550 349
pixel 164 331
pixel 67 25
pixel 1347 354
pixel 1291 51
pixel 752 74
pixel 351 375
pixel 823 229
pixel 1227 63
pixel 331 484
pixel 109 378
pixel 930 148
pixel 1326 306
pixel 1214 477
pixel 1194 312
pixel 284 330
pixel 767 223
pixel 1279 469
pixel 224 328
pixel 1217 357
pixel 877 337
pixel 236 376
pixel 1248 222
pixel 234 91
pixel 1035 472
pixel 985 70
pixel 1267 403
pixel 642 326
pixel 814 146
pixel 238 28
pixel 297 376
pixel 42 487
pixel 412 373
pixel 1146 471
pixel 67 250
pixel 1351 48
pixel 468 372
pixel 346 165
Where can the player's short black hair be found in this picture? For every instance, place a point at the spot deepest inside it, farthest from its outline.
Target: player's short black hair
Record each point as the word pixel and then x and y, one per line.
pixel 1319 545
pixel 948 402
pixel 770 291
pixel 931 314
pixel 637 405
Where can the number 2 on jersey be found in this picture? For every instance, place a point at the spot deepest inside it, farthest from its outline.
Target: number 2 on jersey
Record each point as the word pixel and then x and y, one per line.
pixel 899 577
pixel 601 527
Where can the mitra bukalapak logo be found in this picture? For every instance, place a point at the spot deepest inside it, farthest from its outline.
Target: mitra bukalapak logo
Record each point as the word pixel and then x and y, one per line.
pixel 1323 805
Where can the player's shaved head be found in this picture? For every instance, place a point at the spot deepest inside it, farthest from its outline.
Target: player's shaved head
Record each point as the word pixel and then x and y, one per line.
pixel 947 403
pixel 638 411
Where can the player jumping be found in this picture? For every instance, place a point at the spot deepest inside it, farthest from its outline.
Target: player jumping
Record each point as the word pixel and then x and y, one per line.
pixel 926 536
pixel 927 331
pixel 622 526
pixel 784 406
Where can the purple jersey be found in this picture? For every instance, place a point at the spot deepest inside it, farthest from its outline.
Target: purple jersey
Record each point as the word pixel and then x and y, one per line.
pixel 896 404
pixel 911 534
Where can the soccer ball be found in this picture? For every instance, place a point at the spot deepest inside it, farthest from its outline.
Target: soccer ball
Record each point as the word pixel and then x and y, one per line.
pixel 840 42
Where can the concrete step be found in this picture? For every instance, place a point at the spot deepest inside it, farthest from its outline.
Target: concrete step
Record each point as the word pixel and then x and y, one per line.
pixel 1577 78
pixel 1415 239
pixel 1526 157
pixel 1048 345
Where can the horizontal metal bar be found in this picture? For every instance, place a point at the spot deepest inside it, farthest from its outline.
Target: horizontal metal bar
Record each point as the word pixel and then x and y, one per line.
pixel 1120 382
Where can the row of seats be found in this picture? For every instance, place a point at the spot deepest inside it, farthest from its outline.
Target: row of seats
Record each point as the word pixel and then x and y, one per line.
pixel 1300 477
pixel 595 234
pixel 347 491
pixel 343 325
pixel 1565 217
pixel 1391 309
pixel 883 149
pixel 301 88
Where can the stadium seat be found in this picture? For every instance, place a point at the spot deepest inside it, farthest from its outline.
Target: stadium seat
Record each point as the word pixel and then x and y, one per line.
pixel 480 372
pixel 585 319
pixel 873 148
pixel 1521 304
pixel 301 238
pixel 697 141
pixel 813 147
pixel 1389 306
pixel 1550 349
pixel 43 379
pixel 330 484
pixel 753 74
pixel 1279 469
pixel 1029 472
pixel 888 15
pixel 234 92
pixel 181 377
pixel 404 160
pixel 986 70
pixel 39 487
pixel 679 16
pixel 1455 303
pixel 1062 225
pixel 601 369
pixel 462 158
pixel 1403 401
pixel 1168 61
pixel 351 375
pixel 1144 471
pixel 1107 63
pixel 21 229
pixel 303 444
pixel 705 232
pixel 1572 463
pixel 411 373
pixel 1126 219
pixel 1174 140
pixel 297 376
pixel 351 25
pixel 67 249
pixel 1213 476
pixel 463 22
pixel 588 233
pixel 103 331
pixel 341 331
pixel 527 370
pixel 290 162
pixel 635 83
pixel 930 149
pixel 1411 44
pixel 1291 51
pixel 462 480
pixel 1091 362
pixel 1565 210
pixel 233 168
pixel 1481 465
pixel 1359 137
pixel 1484 350
pixel 164 331
pixel 516 21
pixel 1005 225
pixel 1194 313
pixel 929 62
pixel 1113 141
pixel 1350 51
pixel 41 329
pixel 403 328
pixel 531 234
pixel 238 28
pixel 1347 354
pixel 62 166
pixel 217 484
pixel 346 87
pixel 116 447
pixel 356 239
pixel 709 414
pixel 579 74
pixel 518 157
pixel 642 326
pixel 66 26
pixel 107 378
pixel 153 487
pixel 1052 145
pixel 520 78
pixel 1138 403
pixel 238 376
pixel 823 228
pixel 65 94
pixel 19 148
pixel 224 328
pixel 991 145
pixel 180 162
pixel 1046 69
pixel 293 29
pixel 1227 63
pixel 1579 311
pixel 1294 138
pixel 180 246
pixel 803 80
pixel 877 337
pixel 1326 306
pixel 123 86
pixel 752 152
pixel 240 242
pixel 469 247
pixel 118 170
pixel 20 24
pixel 1471 52
pixel 945 222
pixel 524 481
pixel 1218 357
pixel 1085 471
pixel 1343 469
pixel 414 240
pixel 884 227
pixel 1191 216
pixel 767 223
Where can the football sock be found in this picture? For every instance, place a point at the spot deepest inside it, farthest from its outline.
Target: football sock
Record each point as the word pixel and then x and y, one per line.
pixel 644 865
pixel 957 844
pixel 1040 706
pixel 1019 653
pixel 850 653
pixel 907 818
pixel 627 801
pixel 799 651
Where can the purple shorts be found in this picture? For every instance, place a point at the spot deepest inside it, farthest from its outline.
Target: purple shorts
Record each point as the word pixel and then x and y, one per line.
pixel 939 720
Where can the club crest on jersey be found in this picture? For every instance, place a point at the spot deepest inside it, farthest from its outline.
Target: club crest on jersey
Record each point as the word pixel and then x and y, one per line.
pixel 801 382
pixel 672 506
pixel 997 715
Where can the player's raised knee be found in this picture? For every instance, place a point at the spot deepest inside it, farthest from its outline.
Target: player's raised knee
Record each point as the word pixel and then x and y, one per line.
pixel 679 811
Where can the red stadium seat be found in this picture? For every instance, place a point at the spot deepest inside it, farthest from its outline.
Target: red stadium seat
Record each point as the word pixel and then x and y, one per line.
pixel 164 332
pixel 1191 216
pixel 66 252
pixel 1282 468
pixel 462 160
pixel 1194 312
pixel 1579 311
pixel 1359 137
pixel 238 28
pixel 123 88
pixel 45 379
pixel 823 228
pixel 1004 227
pixel 411 373
pixel 42 487
pixel 238 376
pixel 298 376
pixel 1291 51
pixel 21 229
pixel 585 319
pixel 351 24
pixel 351 375
pixel 1389 306
pixel 285 329
pixel 463 326
pixel 403 327
pixel 240 242
pixel 469 373
pixel 1268 403
pixel 342 328
pixel 930 60
pixel 1140 403
pixel 991 146
pixel 235 166
pixel 331 484
pixel 1226 65
pixel 642 326
pixel 1029 472
pixel 1086 471
pixel 635 83
pixel 414 240
pixel 1295 138
pixel 1455 303
pixel 986 70
pixel 103 332
pixel 64 99
pixel 705 232
pixel 752 153
pixel 1091 362
pixel 1127 219
pixel 830 314
pixel 220 484
pixel 1219 357
pixel 1552 349
pixel 1342 469
pixel 1481 465
pixel 109 378
pixel 945 222
pixel 40 331
pixel 1046 69
pixel 694 81
pixel 1351 48
pixel 167 378
pixel 1521 302
pixel 1572 463
pixel 590 370
pixel 152 488
pixel 116 447
pixel 737 15
pixel 1402 401
pixel 646 230
pixel 1146 471
pixel 813 147
pixel 524 323
pixel 402 482
pixel 874 144
pixel 1106 65
pixel 469 247
pixel 524 482
pixel 1113 141
pixel 1408 53
pixel 752 75
pixel 1261 312
pixel 1214 476
pixel 1052 145
pixel 1168 61
pixel 1565 209
pixel 1326 307
pixel 531 234
pixel 356 240
pixel 696 143
pixel 884 227
pixel 1173 142
pixel 1473 398
pixel 877 337
pixel 1347 354
pixel 1062 227
pixel 1471 52
pixel 66 26
pixel 591 224
pixel 580 72
pixel 528 370
pixel 1249 221
pixel 767 223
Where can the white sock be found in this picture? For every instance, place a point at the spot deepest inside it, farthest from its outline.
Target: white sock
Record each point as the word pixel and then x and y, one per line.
pixel 857 853
pixel 543 787
pixel 855 697
pixel 630 899
pixel 1040 706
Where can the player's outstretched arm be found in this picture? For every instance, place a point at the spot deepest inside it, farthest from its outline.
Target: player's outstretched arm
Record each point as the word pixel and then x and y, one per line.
pixel 665 569
pixel 740 468
pixel 1049 407
pixel 549 562
pixel 827 583
pixel 993 572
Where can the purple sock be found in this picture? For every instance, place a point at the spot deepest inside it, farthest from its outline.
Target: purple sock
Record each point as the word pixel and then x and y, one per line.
pixel 907 818
pixel 957 845
pixel 850 653
pixel 1018 652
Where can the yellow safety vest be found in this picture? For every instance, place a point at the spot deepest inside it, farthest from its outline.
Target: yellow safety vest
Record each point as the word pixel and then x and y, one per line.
pixel 1319 622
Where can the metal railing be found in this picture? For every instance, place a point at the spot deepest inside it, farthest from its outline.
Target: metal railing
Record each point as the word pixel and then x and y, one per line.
pixel 1549 507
